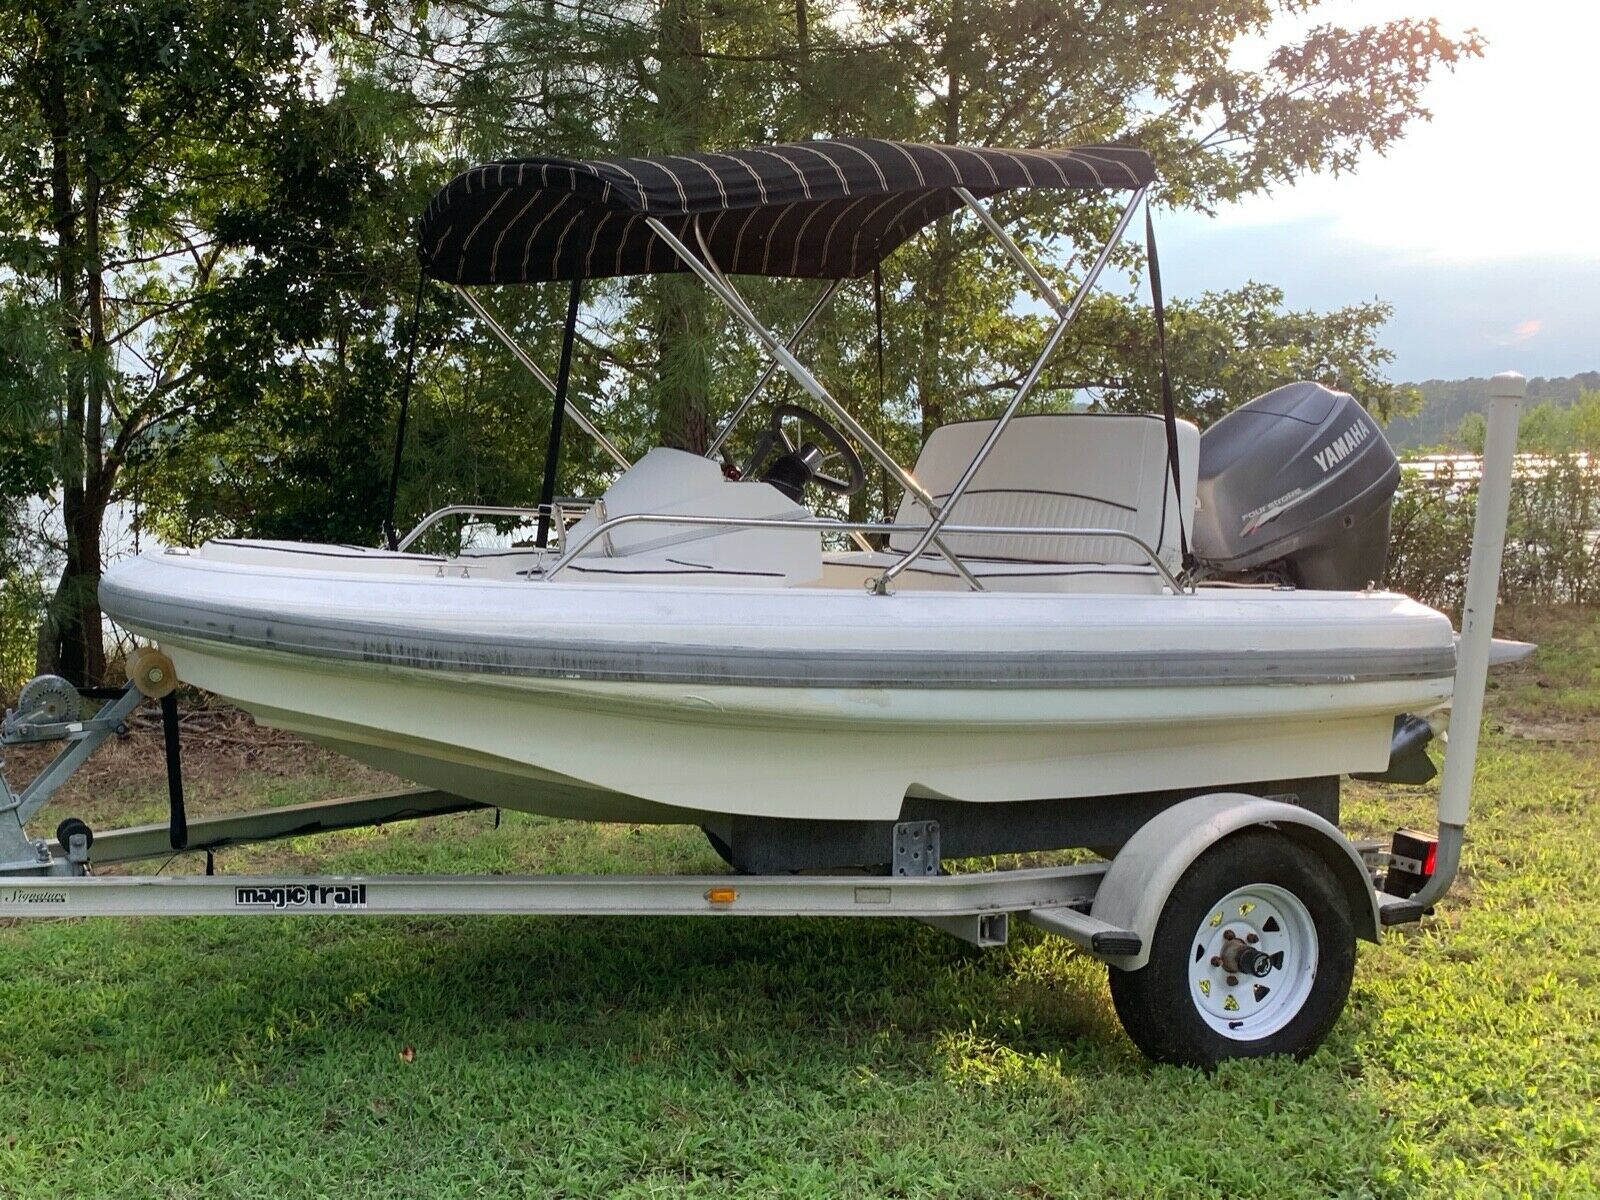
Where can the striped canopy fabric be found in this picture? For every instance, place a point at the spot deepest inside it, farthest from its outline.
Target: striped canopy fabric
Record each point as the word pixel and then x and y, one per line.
pixel 825 209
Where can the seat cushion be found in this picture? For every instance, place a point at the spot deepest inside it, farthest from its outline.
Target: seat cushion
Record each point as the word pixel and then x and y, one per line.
pixel 1090 470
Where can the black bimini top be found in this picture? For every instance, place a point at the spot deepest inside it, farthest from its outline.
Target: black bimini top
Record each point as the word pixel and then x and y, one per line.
pixel 825 209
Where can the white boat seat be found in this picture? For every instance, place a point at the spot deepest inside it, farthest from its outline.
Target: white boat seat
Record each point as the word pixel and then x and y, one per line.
pixel 671 482
pixel 1091 470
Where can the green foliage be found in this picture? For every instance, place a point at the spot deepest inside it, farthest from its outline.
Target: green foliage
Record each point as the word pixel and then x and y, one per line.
pixel 22 600
pixel 1226 348
pixel 1547 428
pixel 1552 549
pixel 1552 553
pixel 127 130
pixel 27 375
pixel 1446 402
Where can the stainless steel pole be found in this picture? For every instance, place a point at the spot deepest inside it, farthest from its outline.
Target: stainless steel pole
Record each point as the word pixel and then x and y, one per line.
pixel 577 414
pixel 725 292
pixel 1014 251
pixel 771 368
pixel 881 584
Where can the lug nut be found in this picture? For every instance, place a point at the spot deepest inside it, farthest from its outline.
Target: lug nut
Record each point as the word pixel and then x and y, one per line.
pixel 1216 960
pixel 1233 981
pixel 1227 935
pixel 1251 938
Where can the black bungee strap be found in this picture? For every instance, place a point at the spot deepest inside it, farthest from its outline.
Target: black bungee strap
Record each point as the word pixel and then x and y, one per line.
pixel 1169 413
pixel 391 535
pixel 177 821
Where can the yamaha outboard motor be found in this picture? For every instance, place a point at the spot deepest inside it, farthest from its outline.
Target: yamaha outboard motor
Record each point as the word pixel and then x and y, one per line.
pixel 1296 485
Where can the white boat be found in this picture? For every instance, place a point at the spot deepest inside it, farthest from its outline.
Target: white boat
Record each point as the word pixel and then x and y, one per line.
pixel 1030 635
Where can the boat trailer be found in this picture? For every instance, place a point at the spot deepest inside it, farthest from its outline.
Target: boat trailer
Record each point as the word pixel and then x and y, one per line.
pixel 1116 909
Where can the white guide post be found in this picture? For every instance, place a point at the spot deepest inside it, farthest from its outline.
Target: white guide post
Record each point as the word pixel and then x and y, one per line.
pixel 1506 392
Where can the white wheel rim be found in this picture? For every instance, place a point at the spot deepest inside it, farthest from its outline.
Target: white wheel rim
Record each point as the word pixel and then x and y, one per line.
pixel 1252 1007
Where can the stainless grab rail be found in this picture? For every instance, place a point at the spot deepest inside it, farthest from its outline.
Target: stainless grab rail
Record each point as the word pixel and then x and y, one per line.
pixel 604 529
pixel 583 420
pixel 711 275
pixel 1065 316
pixel 478 510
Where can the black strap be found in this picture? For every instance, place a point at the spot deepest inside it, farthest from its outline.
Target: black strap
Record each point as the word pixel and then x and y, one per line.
pixel 389 532
pixel 1169 413
pixel 552 451
pixel 877 305
pixel 178 822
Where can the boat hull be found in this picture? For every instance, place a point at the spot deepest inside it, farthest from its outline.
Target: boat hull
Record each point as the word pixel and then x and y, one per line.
pixel 681 704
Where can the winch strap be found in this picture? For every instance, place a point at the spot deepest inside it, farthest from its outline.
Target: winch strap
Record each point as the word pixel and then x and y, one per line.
pixel 178 822
pixel 1169 413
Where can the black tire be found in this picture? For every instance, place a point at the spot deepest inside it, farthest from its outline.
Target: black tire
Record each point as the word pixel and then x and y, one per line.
pixel 723 850
pixel 1155 1003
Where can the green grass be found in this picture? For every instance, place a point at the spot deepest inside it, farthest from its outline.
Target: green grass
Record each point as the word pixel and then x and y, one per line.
pixel 604 1057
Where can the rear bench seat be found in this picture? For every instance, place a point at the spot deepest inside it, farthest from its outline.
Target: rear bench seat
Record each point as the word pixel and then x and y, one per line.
pixel 1100 470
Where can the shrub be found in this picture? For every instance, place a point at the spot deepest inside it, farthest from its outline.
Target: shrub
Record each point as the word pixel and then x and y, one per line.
pixel 1552 553
pixel 22 600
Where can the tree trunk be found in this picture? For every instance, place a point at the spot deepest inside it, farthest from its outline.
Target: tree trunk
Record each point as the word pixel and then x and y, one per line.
pixel 931 385
pixel 59 649
pixel 98 475
pixel 683 332
pixel 71 640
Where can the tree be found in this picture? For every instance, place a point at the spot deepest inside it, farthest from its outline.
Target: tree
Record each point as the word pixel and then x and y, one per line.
pixel 1163 77
pixel 214 206
pixel 126 125
pixel 679 74
pixel 1227 347
pixel 1548 428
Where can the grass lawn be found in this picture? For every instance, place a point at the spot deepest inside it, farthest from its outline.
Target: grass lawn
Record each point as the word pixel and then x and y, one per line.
pixel 389 1057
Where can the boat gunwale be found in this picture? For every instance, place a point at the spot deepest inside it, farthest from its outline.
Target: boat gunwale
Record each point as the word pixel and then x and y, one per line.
pixel 332 637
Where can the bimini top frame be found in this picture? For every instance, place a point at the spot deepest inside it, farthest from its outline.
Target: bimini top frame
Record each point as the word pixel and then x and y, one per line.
pixel 828 209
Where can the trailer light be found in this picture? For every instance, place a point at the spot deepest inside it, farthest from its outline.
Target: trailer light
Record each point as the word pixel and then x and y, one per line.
pixel 722 895
pixel 1413 857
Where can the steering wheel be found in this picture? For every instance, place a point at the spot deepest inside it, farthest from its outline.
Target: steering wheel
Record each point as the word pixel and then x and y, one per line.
pixel 798 465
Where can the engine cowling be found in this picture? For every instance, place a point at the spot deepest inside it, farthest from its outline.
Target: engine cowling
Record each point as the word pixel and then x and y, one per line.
pixel 1297 484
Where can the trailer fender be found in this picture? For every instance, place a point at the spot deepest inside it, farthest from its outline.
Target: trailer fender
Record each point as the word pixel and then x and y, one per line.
pixel 1147 868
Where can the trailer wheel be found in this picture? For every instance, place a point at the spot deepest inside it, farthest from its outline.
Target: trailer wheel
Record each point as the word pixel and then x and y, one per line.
pixel 722 849
pixel 1252 955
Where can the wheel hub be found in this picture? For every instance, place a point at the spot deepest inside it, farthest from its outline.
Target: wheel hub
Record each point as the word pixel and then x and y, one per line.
pixel 1240 957
pixel 1253 962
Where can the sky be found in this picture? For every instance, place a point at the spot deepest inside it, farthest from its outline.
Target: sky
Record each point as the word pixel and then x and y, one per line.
pixel 1479 226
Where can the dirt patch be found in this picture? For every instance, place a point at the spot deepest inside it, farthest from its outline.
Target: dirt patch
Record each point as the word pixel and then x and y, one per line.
pixel 229 762
pixel 1545 728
